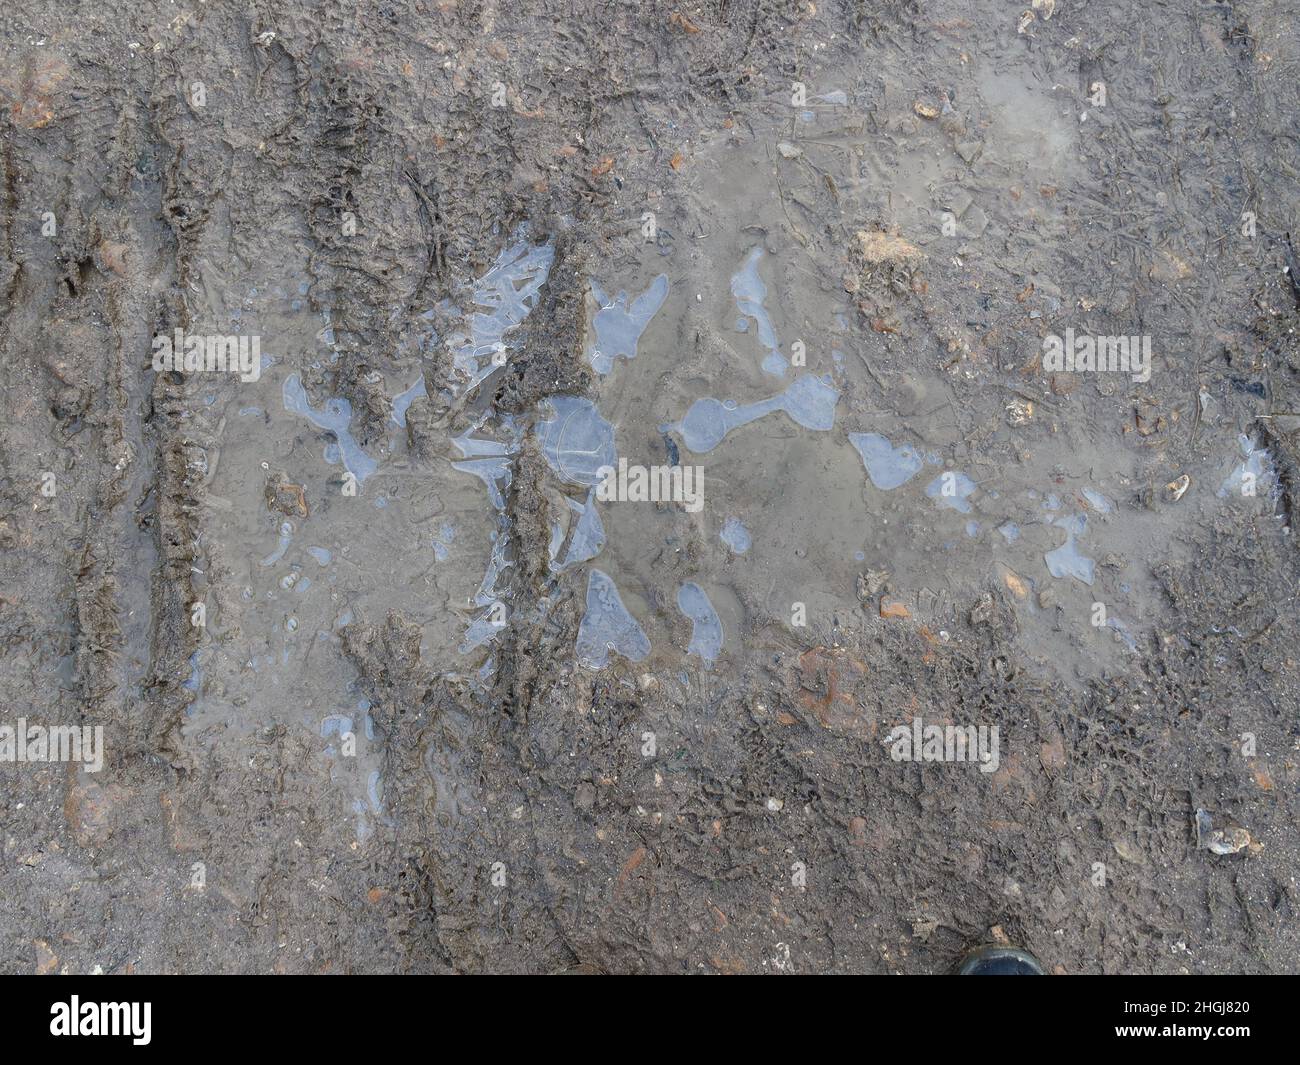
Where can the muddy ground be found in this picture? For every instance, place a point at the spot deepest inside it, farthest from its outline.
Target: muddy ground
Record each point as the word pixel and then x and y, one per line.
pixel 365 756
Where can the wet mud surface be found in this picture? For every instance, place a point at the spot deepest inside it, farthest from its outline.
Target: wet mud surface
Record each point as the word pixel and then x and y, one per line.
pixel 388 682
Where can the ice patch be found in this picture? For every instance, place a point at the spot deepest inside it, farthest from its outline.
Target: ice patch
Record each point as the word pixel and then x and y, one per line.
pixel 735 536
pixel 750 292
pixel 1256 471
pixel 336 417
pixel 1067 560
pixel 286 538
pixel 887 466
pixel 619 326
pixel 706 634
pixel 508 292
pixel 576 440
pixel 607 626
pixel 1100 503
pixel 950 489
pixel 809 402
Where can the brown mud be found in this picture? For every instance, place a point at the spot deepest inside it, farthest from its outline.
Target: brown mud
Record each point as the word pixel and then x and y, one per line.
pixel 320 778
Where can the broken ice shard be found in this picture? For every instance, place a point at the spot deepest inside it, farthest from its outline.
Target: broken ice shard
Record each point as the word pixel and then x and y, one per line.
pixel 588 537
pixel 508 292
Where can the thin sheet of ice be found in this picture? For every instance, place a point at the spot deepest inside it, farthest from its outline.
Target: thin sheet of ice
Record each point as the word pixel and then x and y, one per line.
pixel 286 538
pixel 750 292
pixel 887 466
pixel 1067 560
pixel 735 536
pixel 588 537
pixel 403 400
pixel 950 489
pixel 576 440
pixel 619 326
pixel 706 633
pixel 809 402
pixel 1121 630
pixel 443 540
pixel 508 292
pixel 336 417
pixel 489 459
pixel 1100 503
pixel 608 626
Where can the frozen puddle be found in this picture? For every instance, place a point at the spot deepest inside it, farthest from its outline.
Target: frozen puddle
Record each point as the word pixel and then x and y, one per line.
pixel 750 292
pixel 336 417
pixel 887 466
pixel 576 440
pixel 706 634
pixel 507 292
pixel 607 626
pixel 1067 560
pixel 809 402
pixel 619 326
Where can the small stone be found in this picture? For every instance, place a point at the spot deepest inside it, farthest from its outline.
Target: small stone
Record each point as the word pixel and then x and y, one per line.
pixel 289 499
pixel 46 960
pixel 893 609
